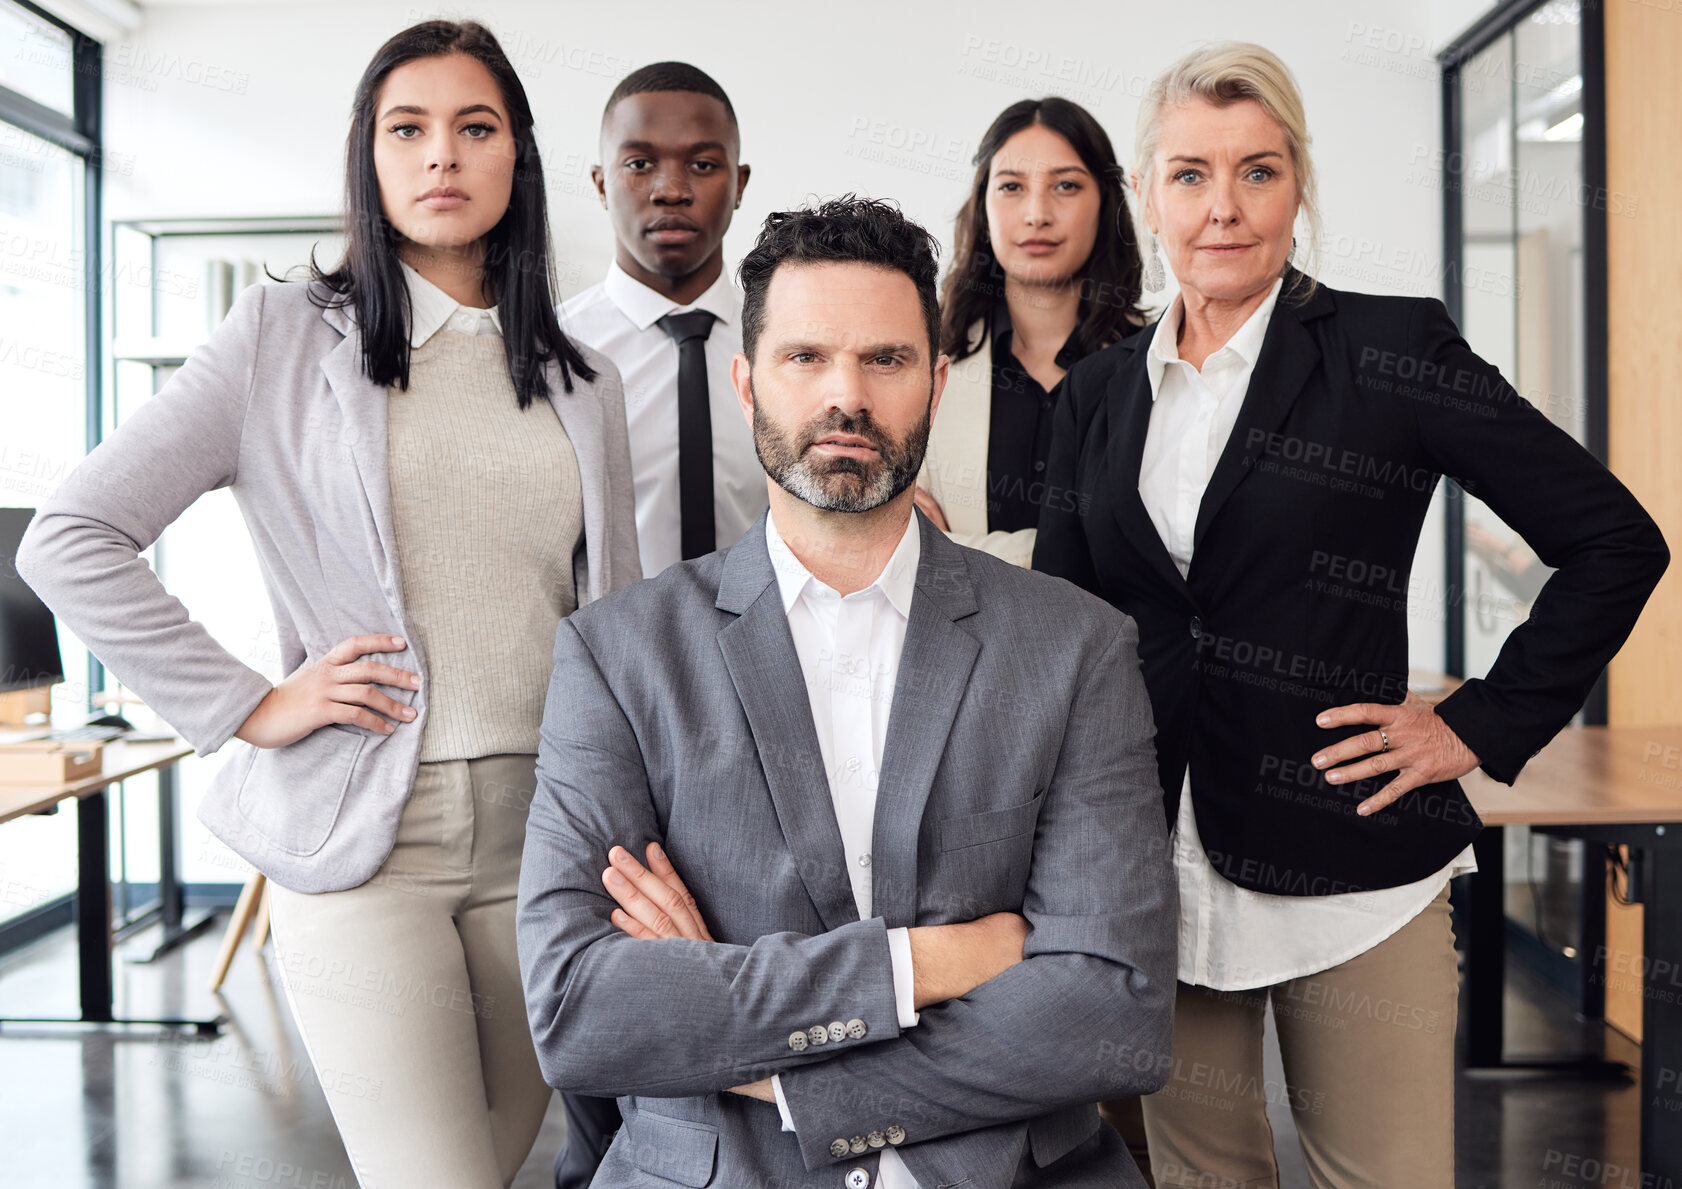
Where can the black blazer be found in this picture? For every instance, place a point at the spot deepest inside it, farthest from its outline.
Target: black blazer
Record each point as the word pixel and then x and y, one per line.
pixel 1297 594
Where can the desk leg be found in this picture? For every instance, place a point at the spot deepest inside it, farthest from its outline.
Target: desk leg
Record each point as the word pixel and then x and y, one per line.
pixel 1486 953
pixel 1661 1021
pixel 171 906
pixel 93 906
pixel 1486 980
pixel 1591 941
pixel 170 898
pixel 94 933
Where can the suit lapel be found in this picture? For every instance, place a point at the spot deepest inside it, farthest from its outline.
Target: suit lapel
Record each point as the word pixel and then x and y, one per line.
pixel 579 418
pixel 934 671
pixel 1129 399
pixel 1288 355
pixel 362 407
pixel 759 653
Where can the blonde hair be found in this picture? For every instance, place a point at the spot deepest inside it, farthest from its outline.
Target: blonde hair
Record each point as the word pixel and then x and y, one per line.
pixel 1226 73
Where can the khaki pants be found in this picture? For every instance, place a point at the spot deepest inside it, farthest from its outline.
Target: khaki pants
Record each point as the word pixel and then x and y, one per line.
pixel 407 989
pixel 1368 1050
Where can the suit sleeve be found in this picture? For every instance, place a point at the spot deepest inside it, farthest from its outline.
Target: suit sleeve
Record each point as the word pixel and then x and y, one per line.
pixel 611 1014
pixel 1578 518
pixel 1060 546
pixel 1087 1015
pixel 82 551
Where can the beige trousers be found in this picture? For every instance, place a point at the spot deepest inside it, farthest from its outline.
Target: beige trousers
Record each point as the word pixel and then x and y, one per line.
pixel 1368 1050
pixel 407 989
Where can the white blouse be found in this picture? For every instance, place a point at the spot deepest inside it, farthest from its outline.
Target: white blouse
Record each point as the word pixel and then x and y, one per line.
pixel 432 310
pixel 1232 938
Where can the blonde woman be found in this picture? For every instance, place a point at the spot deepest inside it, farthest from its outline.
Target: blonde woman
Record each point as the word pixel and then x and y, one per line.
pixel 1230 466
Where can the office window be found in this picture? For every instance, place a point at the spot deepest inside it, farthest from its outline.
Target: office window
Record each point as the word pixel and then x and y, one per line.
pixel 37 59
pixel 48 364
pixel 1524 220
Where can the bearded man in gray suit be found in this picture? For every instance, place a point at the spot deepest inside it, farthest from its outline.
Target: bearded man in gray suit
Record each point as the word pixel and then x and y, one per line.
pixel 848 863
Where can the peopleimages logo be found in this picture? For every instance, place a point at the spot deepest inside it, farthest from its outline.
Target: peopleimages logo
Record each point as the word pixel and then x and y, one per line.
pixel 1387 472
pixel 161 64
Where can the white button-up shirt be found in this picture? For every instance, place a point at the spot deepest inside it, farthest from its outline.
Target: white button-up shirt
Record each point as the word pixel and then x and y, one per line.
pixel 432 310
pixel 849 650
pixel 620 318
pixel 1232 938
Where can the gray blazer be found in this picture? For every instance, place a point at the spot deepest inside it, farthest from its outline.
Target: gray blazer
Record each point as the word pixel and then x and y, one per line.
pixel 1018 775
pixel 276 407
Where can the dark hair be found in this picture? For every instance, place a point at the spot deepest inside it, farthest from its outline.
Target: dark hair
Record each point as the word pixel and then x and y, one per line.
pixel 845 230
pixel 369 278
pixel 1110 278
pixel 668 76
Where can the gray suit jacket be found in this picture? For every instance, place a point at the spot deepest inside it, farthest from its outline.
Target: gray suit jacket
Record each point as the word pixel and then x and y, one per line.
pixel 1018 775
pixel 276 406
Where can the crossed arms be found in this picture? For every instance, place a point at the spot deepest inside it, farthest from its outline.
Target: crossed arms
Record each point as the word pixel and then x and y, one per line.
pixel 628 1004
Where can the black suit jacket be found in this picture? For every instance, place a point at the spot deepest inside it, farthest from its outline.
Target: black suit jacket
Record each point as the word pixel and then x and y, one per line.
pixel 1297 594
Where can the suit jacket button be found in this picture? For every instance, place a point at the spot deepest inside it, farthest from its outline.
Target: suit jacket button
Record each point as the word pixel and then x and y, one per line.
pixel 797 1041
pixel 818 1034
pixel 876 1139
pixel 858 1146
pixel 1196 628
pixel 837 1031
pixel 839 1148
pixel 896 1134
pixel 856 1029
pixel 858 1178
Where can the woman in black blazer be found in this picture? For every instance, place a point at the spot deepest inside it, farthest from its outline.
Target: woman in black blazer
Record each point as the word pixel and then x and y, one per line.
pixel 1248 480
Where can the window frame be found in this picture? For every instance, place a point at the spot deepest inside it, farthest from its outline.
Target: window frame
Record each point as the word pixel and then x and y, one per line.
pixel 79 134
pixel 1498 23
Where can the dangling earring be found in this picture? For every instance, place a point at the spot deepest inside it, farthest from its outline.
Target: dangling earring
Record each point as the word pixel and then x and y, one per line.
pixel 1290 257
pixel 1153 277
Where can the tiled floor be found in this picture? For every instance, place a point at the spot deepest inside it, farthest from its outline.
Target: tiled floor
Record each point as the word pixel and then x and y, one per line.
pixel 94 1110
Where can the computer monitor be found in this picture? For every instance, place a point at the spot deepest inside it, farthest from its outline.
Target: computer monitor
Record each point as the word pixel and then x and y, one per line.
pixel 29 656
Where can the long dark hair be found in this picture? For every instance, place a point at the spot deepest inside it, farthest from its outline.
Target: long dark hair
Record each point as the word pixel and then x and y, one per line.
pixel 1110 278
pixel 517 264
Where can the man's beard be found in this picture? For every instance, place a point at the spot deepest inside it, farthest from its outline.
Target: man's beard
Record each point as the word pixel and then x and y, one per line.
pixel 840 484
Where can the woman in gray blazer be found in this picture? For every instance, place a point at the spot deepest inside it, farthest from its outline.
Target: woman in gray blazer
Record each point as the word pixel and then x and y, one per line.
pixel 433 476
pixel 1045 271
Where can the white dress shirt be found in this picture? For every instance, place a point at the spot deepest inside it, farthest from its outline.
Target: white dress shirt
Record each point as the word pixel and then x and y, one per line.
pixel 849 653
pixel 431 310
pixel 620 318
pixel 1232 938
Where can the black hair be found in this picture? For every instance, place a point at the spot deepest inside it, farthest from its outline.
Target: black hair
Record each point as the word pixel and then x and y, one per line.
pixel 1110 280
pixel 517 266
pixel 668 76
pixel 845 230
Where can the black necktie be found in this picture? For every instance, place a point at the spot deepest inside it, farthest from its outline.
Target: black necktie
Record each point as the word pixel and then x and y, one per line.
pixel 694 431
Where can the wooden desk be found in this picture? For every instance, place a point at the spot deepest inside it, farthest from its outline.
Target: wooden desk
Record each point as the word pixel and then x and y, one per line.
pixel 1590 776
pixel 1605 785
pixel 119 761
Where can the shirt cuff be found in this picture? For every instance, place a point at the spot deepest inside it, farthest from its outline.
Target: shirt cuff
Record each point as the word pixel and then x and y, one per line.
pixel 782 1103
pixel 905 984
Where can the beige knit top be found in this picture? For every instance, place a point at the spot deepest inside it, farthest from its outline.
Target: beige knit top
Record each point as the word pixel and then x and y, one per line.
pixel 488 510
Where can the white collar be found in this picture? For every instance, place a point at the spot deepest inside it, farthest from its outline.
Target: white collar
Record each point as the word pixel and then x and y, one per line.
pixel 1246 343
pixel 644 307
pixel 896 582
pixel 430 308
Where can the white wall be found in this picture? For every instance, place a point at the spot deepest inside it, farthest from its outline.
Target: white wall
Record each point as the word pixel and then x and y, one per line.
pixel 216 109
pixel 1450 18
